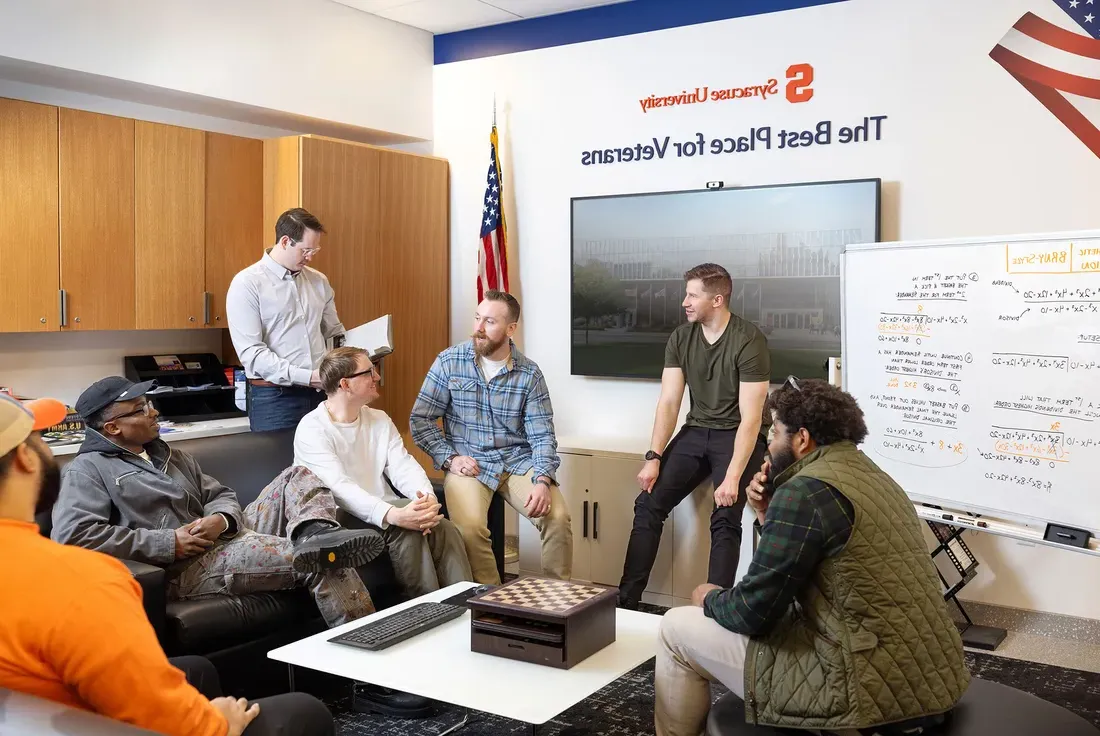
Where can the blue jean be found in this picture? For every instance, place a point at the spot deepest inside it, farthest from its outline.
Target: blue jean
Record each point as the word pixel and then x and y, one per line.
pixel 280 407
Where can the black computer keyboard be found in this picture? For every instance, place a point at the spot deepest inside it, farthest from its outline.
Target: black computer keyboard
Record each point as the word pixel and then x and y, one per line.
pixel 399 626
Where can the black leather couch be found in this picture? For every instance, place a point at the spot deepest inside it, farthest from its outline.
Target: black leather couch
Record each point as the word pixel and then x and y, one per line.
pixel 236 632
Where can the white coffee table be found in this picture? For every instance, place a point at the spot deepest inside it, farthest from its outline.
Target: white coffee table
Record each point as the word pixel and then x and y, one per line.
pixel 438 664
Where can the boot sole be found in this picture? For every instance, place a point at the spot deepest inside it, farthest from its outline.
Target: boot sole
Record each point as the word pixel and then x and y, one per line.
pixel 356 551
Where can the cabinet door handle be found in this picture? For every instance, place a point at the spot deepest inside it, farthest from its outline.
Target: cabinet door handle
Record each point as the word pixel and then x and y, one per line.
pixel 206 295
pixel 586 519
pixel 63 307
pixel 596 520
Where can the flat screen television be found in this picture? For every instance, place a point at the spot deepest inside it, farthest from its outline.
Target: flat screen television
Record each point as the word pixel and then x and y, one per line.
pixel 780 243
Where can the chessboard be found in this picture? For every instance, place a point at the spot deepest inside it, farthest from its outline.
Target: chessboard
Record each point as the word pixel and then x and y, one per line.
pixel 542 594
pixel 544 621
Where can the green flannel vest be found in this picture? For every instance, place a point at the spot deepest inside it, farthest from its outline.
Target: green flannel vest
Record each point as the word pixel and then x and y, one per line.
pixel 868 641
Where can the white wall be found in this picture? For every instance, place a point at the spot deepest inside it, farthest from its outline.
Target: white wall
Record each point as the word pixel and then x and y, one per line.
pixel 966 151
pixel 313 58
pixel 61 365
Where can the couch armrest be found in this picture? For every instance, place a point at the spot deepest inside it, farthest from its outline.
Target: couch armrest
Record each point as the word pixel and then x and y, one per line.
pixel 153 592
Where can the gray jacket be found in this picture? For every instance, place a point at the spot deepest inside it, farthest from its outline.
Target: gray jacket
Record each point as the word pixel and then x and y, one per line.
pixel 114 502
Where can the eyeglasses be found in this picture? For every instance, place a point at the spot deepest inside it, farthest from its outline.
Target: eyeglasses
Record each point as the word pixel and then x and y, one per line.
pixel 793 383
pixel 372 370
pixel 304 251
pixel 146 408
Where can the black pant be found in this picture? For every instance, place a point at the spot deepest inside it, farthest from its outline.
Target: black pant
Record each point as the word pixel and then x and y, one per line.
pixel 292 714
pixel 690 457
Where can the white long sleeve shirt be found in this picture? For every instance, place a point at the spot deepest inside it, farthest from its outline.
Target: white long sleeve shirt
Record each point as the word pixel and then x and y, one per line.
pixel 279 322
pixel 351 459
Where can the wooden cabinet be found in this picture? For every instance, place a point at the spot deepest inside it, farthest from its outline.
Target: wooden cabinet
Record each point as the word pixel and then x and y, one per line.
pixel 414 275
pixel 169 226
pixel 573 479
pixel 386 250
pixel 28 217
pixel 96 192
pixel 234 215
pixel 340 187
pixel 691 542
pixel 600 490
pixel 600 493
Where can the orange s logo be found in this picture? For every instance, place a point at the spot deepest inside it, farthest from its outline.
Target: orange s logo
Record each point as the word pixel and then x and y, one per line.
pixel 799 89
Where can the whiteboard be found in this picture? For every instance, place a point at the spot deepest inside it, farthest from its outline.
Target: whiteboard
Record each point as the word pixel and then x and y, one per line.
pixel 977 366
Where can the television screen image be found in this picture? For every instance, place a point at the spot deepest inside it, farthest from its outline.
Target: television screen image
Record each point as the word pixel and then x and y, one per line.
pixel 781 244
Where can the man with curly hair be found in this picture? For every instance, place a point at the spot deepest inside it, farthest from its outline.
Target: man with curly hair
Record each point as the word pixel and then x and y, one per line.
pixel 840 621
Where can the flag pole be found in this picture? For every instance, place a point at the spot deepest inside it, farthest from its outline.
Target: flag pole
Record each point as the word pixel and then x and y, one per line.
pixel 494 109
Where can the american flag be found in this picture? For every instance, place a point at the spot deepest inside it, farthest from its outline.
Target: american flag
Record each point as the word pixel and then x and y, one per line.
pixel 1059 65
pixel 492 258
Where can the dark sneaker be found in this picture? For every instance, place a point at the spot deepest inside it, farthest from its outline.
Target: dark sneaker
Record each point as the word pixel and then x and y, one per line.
pixel 335 549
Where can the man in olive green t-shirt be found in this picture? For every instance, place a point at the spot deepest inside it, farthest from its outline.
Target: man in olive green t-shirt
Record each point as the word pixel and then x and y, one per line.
pixel 725 364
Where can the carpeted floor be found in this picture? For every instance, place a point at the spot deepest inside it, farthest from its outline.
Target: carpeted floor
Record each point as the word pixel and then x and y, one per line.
pixel 625 707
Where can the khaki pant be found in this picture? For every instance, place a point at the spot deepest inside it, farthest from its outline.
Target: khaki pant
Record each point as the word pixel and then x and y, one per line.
pixel 421 563
pixel 692 652
pixel 468 506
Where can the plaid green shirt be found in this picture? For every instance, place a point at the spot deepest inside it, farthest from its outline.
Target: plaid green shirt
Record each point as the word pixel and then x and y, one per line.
pixel 807 521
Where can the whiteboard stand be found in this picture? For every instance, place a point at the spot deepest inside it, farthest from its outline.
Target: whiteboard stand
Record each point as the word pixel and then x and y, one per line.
pixel 953 551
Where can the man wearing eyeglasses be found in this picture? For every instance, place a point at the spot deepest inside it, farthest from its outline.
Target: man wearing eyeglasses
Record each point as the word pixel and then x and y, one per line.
pixel 358 453
pixel 130 495
pixel 282 314
pixel 839 624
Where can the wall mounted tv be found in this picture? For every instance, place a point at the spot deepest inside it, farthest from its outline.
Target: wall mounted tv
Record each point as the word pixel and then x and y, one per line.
pixel 781 244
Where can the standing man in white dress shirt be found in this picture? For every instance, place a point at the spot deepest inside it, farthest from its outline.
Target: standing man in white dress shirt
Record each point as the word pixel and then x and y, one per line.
pixel 282 313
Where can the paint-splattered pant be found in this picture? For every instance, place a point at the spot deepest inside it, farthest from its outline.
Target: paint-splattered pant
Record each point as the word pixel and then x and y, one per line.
pixel 258 558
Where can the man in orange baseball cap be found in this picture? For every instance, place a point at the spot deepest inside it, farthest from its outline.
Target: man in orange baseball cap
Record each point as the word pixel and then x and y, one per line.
pixel 19 427
pixel 72 627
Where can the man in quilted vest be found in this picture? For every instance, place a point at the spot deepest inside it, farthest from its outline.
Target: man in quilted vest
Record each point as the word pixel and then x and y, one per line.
pixel 840 621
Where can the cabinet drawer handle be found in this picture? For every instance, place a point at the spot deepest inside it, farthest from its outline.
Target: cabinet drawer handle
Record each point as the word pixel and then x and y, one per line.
pixel 586 519
pixel 596 520
pixel 206 307
pixel 63 307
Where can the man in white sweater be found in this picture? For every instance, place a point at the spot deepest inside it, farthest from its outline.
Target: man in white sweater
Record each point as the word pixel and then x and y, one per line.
pixel 353 449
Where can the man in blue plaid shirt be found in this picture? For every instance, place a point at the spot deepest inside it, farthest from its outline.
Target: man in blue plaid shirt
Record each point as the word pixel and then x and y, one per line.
pixel 497 437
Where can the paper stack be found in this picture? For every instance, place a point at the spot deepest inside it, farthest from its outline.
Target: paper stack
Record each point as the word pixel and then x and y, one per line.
pixel 376 337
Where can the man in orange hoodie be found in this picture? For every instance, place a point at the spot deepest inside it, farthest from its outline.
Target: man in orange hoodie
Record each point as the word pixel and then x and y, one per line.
pixel 72 627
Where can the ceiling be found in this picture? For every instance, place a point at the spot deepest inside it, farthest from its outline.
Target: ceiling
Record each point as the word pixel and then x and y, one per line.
pixel 446 16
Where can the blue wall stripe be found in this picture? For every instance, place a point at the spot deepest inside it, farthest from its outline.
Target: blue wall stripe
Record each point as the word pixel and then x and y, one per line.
pixel 604 21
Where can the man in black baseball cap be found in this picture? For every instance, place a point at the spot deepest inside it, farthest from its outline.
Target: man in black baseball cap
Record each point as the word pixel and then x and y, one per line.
pixel 129 495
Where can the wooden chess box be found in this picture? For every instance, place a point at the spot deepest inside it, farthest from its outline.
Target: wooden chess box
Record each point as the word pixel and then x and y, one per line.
pixel 544 621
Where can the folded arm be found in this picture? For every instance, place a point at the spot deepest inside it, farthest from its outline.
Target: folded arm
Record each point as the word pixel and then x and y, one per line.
pixel 82 516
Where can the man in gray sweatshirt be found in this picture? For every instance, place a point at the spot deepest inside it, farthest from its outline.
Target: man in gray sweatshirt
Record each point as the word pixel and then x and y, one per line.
pixel 130 495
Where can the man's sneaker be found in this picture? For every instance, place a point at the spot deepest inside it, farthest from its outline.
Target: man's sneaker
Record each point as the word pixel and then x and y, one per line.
pixel 335 549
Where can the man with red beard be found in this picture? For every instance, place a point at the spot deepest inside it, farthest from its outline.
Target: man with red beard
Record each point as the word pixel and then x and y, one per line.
pixel 497 437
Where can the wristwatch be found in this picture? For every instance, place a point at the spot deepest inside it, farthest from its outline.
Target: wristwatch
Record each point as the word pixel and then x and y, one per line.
pixel 651 455
pixel 446 466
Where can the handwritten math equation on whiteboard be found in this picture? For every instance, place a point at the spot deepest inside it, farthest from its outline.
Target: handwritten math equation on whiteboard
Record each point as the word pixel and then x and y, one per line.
pixel 978 369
